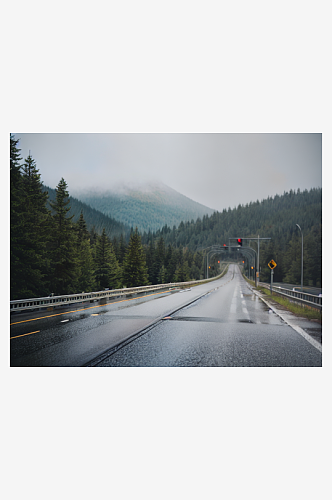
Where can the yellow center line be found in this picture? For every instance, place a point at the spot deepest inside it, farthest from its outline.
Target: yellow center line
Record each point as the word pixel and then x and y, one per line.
pixel 24 334
pixel 83 309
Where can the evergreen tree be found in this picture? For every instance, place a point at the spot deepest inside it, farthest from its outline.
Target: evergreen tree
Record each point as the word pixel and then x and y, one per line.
pixel 93 236
pixel 63 245
pixel 293 260
pixel 162 275
pixel 108 271
pixel 36 232
pixel 82 231
pixel 115 245
pixel 29 228
pixel 122 249
pixel 172 258
pixel 16 222
pixel 150 260
pixel 182 272
pixel 86 276
pixel 312 244
pixel 134 264
pixel 159 261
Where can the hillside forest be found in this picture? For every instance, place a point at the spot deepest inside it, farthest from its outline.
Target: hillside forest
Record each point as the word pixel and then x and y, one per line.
pixel 60 245
pixel 151 206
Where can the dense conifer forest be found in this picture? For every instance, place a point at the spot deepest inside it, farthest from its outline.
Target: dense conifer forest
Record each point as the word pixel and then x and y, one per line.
pixel 151 206
pixel 274 218
pixel 95 220
pixel 52 249
pixel 60 245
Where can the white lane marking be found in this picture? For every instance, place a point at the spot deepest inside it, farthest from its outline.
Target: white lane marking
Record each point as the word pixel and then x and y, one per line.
pixel 234 301
pixel 298 329
pixel 64 321
pixel 245 310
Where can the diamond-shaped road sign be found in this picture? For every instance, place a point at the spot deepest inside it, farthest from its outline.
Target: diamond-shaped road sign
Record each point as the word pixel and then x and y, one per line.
pixel 272 264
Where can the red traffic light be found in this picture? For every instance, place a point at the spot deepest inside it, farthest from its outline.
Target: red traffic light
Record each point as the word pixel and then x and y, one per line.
pixel 239 242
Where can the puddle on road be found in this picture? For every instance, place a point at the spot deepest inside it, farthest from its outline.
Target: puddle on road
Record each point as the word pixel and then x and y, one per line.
pixel 204 319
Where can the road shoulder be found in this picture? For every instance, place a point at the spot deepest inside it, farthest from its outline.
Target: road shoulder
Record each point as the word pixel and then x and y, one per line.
pixel 311 330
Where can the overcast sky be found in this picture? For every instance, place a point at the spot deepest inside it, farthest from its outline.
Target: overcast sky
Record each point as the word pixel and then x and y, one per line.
pixel 217 170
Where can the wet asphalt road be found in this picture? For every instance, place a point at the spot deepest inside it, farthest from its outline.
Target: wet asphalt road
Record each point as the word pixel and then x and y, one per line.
pixel 228 326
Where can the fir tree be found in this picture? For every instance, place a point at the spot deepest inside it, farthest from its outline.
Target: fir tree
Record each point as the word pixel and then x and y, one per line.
pixel 182 272
pixel 86 276
pixel 150 260
pixel 122 249
pixel 159 261
pixel 36 230
pixel 16 221
pixel 29 228
pixel 172 257
pixel 134 264
pixel 63 245
pixel 108 271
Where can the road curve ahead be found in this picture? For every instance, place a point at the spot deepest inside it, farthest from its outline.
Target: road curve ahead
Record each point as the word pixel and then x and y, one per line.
pixel 221 323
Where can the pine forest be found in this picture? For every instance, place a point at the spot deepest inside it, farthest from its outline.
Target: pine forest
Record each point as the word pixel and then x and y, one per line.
pixel 60 245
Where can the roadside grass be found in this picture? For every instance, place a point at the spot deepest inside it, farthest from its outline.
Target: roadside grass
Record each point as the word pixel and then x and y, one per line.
pixel 291 306
pixel 305 312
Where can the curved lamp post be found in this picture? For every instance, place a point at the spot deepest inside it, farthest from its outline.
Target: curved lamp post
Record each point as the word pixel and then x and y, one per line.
pixel 301 259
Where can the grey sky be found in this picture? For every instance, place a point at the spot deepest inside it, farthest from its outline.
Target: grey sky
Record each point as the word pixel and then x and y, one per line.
pixel 217 170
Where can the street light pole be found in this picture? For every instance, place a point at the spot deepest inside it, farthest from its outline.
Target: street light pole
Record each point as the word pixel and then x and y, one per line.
pixel 301 259
pixel 257 265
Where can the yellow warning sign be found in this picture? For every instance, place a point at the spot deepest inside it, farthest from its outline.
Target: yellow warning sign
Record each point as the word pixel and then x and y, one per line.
pixel 272 264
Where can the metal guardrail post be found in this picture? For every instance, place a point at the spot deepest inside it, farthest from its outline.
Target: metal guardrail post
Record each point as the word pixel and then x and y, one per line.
pixel 304 299
pixel 45 302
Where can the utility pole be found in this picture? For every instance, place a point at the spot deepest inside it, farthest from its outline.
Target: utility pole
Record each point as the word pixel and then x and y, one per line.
pixel 301 259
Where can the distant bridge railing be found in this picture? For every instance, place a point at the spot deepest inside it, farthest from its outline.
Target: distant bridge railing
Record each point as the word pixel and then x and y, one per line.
pixel 102 295
pixel 303 298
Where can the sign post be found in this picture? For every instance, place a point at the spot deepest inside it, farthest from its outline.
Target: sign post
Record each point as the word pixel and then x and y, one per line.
pixel 271 280
pixel 272 265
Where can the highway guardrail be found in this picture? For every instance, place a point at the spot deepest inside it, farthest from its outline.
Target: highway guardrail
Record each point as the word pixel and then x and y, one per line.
pixel 303 298
pixel 102 295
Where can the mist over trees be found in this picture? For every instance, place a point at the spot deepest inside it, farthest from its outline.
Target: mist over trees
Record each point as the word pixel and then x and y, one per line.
pixel 53 251
pixel 274 218
pixel 60 245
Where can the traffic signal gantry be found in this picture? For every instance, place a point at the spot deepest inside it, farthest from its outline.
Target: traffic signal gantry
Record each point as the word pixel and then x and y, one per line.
pixel 246 250
pixel 239 244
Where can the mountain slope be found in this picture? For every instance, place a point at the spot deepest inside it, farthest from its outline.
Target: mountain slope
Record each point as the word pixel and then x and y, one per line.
pixel 93 217
pixel 148 206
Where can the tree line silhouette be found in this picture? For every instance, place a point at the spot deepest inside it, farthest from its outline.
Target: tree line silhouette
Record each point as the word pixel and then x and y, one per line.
pixel 54 250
